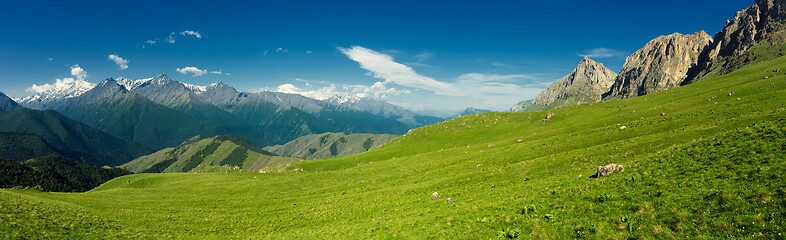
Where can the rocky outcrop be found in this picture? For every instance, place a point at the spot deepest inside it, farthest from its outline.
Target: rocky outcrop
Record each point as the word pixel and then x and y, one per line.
pixel 519 107
pixel 587 82
pixel 754 25
pixel 660 65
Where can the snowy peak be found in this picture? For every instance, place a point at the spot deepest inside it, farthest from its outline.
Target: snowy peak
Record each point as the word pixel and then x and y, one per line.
pixel 344 99
pixel 195 88
pixel 61 89
pixel 132 84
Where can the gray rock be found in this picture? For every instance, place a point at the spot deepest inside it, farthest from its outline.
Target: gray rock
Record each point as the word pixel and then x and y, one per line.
pixel 608 169
pixel 660 65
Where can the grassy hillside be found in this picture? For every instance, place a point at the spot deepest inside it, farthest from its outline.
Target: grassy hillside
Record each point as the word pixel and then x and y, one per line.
pixel 200 154
pixel 327 145
pixel 703 161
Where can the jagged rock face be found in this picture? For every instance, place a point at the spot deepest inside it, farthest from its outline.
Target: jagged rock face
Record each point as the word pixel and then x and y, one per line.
pixel 660 65
pixel 586 83
pixel 748 27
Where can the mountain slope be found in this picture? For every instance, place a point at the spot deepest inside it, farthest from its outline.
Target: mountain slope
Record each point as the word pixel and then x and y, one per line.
pixel 7 104
pixel 200 154
pixel 328 145
pixel 111 108
pixel 19 146
pixel 754 34
pixel 660 65
pixel 585 84
pixel 74 139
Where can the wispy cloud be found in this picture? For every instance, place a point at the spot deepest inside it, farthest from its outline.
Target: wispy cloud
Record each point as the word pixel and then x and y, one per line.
pixel 489 88
pixel 424 56
pixel 119 61
pixel 199 72
pixel 499 64
pixel 192 33
pixel 50 59
pixel 172 37
pixel 220 72
pixel 601 53
pixel 282 50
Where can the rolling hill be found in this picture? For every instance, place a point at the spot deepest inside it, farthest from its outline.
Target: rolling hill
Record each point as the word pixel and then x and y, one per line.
pixel 328 145
pixel 201 154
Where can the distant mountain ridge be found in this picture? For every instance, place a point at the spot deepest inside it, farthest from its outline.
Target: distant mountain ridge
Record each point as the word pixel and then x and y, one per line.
pixel 264 118
pixel 471 110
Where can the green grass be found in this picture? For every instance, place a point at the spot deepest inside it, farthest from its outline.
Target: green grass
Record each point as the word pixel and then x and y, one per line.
pixel 711 168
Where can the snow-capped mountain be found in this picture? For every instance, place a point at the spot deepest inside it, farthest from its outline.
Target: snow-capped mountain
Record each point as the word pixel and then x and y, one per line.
pixel 61 89
pixel 381 108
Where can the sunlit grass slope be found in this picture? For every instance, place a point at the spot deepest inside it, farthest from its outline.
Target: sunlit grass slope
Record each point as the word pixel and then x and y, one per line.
pixel 702 161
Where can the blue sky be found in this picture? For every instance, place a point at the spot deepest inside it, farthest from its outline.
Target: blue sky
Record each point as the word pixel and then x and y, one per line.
pixel 436 56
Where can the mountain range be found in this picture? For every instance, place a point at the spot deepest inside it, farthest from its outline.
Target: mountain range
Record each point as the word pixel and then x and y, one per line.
pixel 159 112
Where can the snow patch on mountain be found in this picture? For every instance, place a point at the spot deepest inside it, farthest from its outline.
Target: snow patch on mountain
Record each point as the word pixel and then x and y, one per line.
pixel 195 88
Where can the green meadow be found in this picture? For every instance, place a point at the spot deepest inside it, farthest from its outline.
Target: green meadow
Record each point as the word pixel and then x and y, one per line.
pixel 702 161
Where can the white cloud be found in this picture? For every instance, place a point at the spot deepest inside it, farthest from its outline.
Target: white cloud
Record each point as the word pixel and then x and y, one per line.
pixel 220 72
pixel 78 72
pixel 489 89
pixel 309 52
pixel 119 61
pixel 382 66
pixel 266 52
pixel 196 71
pixel 50 59
pixel 601 53
pixel 171 38
pixel 424 56
pixel 281 50
pixel 192 33
pixel 151 42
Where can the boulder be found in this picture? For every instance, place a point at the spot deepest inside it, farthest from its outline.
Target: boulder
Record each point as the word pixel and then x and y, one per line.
pixel 608 169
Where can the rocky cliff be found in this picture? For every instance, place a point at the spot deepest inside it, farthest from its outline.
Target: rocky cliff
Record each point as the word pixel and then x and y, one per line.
pixel 758 25
pixel 586 83
pixel 660 65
